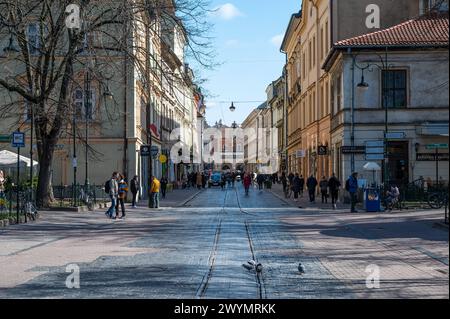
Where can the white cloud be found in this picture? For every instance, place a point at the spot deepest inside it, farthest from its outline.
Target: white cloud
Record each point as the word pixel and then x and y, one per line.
pixel 227 11
pixel 277 40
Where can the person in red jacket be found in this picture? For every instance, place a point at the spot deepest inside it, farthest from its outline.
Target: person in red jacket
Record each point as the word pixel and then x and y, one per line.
pixel 247 183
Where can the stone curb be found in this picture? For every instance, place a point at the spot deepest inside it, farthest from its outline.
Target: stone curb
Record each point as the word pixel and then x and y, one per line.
pixel 189 199
pixel 81 209
pixel 12 221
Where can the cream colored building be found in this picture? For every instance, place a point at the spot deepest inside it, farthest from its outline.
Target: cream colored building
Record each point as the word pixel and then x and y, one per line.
pixel 120 126
pixel 308 40
pixel 411 68
pixel 276 103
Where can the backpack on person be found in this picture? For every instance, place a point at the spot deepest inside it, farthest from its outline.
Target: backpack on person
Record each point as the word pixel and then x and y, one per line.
pixel 347 185
pixel 108 186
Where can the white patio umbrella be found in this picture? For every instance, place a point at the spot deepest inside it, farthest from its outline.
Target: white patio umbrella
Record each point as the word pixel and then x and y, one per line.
pixel 373 167
pixel 8 162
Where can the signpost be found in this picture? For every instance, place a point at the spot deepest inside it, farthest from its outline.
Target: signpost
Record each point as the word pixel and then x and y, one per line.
pixel 353 150
pixel 154 151
pixel 437 147
pixel 322 150
pixel 395 135
pixel 375 150
pixel 300 154
pixel 18 141
pixel 145 151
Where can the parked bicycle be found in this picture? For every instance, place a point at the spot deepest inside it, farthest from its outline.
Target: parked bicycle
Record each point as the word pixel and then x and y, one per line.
pixel 87 197
pixel 26 206
pixel 437 200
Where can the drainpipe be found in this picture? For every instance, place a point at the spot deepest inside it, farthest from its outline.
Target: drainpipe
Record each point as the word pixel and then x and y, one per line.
pixel 352 136
pixel 318 97
pixel 285 112
pixel 125 116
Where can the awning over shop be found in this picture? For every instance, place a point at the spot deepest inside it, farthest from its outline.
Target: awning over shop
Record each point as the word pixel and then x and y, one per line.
pixel 439 129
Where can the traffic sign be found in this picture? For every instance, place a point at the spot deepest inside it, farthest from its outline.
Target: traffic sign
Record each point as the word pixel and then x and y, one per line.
pixel 374 157
pixel 353 150
pixel 437 146
pixel 375 150
pixel 18 140
pixel 300 154
pixel 163 159
pixel 375 144
pixel 154 151
pixel 323 150
pixel 395 135
pixel 145 151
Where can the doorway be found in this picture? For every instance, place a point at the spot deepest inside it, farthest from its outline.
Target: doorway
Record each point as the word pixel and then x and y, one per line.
pixel 398 165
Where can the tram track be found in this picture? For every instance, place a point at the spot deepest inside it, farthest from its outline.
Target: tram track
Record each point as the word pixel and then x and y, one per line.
pixel 203 287
pixel 262 293
pixel 201 291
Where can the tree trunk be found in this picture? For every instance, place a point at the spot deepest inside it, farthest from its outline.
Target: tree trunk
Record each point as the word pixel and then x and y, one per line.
pixel 45 163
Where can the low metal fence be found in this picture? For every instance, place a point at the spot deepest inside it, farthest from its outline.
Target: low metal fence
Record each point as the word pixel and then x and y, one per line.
pixel 79 195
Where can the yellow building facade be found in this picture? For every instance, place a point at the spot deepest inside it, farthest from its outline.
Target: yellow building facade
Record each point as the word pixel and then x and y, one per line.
pixel 306 44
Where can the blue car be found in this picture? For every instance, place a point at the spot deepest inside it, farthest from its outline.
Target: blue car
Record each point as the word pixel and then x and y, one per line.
pixel 215 179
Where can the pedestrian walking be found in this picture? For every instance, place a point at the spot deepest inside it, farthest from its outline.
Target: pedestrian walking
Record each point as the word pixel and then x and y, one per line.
pixel 291 177
pixel 223 181
pixel 324 189
pixel 164 182
pixel 334 184
pixel 2 192
pixel 122 195
pixel 352 187
pixel 135 188
pixel 112 188
pixel 199 180
pixel 204 180
pixel 302 185
pixel 284 181
pixel 312 183
pixel 260 180
pixel 247 183
pixel 154 190
pixel 193 179
pixel 296 184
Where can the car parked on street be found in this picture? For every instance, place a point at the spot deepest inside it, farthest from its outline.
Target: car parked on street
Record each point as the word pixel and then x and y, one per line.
pixel 215 179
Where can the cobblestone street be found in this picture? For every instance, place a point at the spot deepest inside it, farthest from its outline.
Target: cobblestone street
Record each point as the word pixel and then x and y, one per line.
pixel 197 251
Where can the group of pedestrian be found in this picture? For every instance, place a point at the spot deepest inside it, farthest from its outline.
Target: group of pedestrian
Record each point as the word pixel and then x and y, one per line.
pixel 117 189
pixel 330 187
pixel 327 186
pixel 197 180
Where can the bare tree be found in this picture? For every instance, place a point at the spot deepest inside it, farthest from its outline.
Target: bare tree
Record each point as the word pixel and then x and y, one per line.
pixel 40 65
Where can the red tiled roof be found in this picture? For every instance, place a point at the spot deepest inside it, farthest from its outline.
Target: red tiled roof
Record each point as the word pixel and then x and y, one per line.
pixel 430 30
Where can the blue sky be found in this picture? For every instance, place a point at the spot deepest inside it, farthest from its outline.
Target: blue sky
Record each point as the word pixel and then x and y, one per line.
pixel 248 35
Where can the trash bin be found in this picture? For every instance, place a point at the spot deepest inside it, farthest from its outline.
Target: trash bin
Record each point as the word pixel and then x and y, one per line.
pixel 372 200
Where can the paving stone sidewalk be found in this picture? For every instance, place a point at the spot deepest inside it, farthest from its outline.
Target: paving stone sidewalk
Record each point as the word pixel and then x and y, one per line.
pixel 175 198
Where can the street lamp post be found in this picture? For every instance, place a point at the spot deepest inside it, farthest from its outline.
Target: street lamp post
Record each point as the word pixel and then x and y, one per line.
pixel 363 85
pixel 88 111
pixel 74 159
